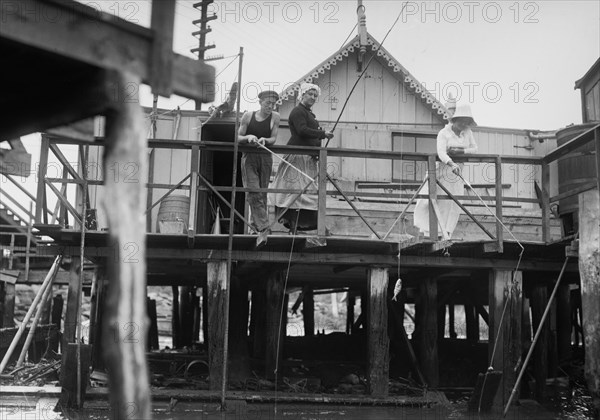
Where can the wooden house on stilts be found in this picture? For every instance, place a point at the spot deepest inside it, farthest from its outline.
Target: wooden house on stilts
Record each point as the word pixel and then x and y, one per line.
pixel 465 303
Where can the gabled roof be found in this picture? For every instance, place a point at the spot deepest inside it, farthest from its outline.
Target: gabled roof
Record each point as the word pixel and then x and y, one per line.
pixel 592 72
pixel 409 81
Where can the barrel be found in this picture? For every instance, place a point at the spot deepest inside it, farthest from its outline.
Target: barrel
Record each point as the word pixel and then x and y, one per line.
pixel 173 214
pixel 577 170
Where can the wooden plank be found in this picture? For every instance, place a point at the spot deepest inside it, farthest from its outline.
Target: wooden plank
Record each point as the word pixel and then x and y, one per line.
pixel 40 203
pixel 589 267
pixel 321 257
pixel 105 41
pixel 378 343
pixel 79 130
pixel 216 288
pixel 162 23
pixel 571 145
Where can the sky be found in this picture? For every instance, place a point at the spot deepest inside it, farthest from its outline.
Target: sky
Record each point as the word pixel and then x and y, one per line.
pixel 514 62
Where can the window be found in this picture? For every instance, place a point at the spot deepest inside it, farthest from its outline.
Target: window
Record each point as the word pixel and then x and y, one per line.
pixel 408 170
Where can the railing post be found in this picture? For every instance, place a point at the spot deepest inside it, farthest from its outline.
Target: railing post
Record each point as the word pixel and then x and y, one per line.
pixel 433 222
pixel 545 202
pixel 40 202
pixel 322 215
pixel 499 231
pixel 195 165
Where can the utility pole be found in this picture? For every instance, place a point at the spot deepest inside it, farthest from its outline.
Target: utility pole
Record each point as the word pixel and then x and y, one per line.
pixel 204 29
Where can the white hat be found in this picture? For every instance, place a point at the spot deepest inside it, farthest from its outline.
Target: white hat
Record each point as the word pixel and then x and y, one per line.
pixel 463 111
pixel 305 87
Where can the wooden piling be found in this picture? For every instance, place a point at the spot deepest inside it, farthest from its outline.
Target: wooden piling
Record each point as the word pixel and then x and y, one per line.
pixel 308 312
pixel 8 307
pixel 426 331
pixel 539 300
pixel 258 319
pixel 508 348
pixel 472 323
pixel 563 322
pixel 216 286
pixel 239 357
pixel 589 271
pixel 378 342
pixel 275 328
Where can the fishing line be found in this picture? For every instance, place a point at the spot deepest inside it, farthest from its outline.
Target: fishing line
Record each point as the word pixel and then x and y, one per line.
pixel 364 70
pixel 287 274
pixel 516 270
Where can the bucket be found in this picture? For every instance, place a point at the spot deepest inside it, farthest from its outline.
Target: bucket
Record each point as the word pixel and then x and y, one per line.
pixel 173 214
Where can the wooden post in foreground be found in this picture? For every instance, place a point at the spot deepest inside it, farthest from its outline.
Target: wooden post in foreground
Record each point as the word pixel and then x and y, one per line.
pixel 378 341
pixel 589 270
pixel 508 348
pixel 216 281
pixel 125 327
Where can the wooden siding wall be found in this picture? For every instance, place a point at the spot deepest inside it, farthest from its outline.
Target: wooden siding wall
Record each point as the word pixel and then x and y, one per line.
pixel 380 96
pixel 170 165
pixel 592 100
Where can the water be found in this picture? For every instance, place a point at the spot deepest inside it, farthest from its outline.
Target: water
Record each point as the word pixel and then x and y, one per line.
pixel 239 410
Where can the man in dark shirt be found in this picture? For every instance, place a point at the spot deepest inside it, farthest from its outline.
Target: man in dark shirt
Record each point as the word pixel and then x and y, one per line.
pixel 259 128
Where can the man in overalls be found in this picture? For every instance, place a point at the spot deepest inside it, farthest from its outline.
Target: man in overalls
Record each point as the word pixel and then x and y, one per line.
pixel 259 128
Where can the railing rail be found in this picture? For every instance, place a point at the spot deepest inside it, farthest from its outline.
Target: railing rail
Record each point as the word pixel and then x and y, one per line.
pixel 198 183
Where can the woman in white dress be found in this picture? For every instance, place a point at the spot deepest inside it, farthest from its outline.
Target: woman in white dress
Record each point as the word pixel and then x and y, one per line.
pixel 456 138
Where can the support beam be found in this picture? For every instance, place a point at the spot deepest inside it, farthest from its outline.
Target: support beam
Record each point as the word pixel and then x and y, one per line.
pixel 427 331
pixel 216 288
pixel 505 290
pixel 257 322
pixel 378 342
pixel 472 321
pixel 539 300
pixel 589 270
pixel 275 328
pixel 563 322
pixel 7 305
pixel 69 359
pixel 308 311
pixel 238 355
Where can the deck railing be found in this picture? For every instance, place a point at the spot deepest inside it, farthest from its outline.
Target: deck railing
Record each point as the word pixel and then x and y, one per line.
pixel 195 182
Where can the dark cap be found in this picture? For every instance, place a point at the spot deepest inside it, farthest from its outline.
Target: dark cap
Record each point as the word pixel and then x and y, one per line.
pixel 267 94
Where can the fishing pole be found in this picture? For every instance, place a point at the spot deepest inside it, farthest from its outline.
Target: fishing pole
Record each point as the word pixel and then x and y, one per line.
pixel 364 71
